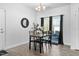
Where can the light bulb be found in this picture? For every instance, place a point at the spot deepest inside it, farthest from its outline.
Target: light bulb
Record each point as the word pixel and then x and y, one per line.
pixel 44 7
pixel 36 8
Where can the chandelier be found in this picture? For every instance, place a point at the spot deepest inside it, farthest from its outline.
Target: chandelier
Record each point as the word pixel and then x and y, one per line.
pixel 41 7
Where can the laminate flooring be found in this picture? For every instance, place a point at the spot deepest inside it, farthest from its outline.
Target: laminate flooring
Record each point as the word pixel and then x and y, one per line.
pixel 54 50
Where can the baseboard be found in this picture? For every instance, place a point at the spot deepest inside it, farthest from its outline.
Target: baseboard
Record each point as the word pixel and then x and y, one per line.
pixel 12 46
pixel 65 43
pixel 74 48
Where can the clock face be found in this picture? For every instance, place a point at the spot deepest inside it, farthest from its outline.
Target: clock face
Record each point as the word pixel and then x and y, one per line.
pixel 24 22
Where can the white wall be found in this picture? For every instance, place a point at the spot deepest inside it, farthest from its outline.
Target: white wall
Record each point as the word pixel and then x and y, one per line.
pixel 75 26
pixel 15 34
pixel 65 10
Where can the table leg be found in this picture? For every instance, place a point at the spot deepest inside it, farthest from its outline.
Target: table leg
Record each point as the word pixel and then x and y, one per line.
pixel 40 47
pixel 35 46
pixel 30 42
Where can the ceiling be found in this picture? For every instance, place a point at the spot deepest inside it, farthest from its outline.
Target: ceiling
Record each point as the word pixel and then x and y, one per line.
pixel 48 5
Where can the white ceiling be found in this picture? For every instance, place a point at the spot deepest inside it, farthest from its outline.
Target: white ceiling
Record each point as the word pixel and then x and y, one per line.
pixel 48 5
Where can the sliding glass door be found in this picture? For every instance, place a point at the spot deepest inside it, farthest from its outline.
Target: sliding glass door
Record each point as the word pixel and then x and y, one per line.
pixel 55 28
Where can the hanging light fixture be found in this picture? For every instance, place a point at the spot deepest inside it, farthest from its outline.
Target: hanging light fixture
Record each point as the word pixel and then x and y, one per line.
pixel 41 7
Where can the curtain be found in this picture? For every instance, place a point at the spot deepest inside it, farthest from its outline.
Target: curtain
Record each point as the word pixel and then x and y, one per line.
pixel 61 30
pixel 50 23
pixel 42 22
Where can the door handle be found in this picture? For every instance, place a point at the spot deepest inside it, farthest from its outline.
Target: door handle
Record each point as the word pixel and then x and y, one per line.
pixel 1 30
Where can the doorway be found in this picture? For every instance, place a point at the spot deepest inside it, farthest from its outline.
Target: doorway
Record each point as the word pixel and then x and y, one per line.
pixel 2 29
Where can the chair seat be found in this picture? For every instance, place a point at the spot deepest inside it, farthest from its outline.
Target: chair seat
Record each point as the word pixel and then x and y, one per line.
pixel 46 41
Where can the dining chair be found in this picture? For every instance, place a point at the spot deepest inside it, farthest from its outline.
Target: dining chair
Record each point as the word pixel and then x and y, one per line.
pixel 31 39
pixel 35 40
pixel 47 38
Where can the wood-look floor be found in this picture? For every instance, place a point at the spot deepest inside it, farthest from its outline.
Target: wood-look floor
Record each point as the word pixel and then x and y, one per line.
pixel 55 50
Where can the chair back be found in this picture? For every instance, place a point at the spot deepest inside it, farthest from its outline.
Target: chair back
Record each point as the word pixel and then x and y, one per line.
pixel 47 36
pixel 32 33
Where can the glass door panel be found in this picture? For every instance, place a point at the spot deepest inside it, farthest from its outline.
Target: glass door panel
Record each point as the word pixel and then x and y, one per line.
pixel 55 28
pixel 46 24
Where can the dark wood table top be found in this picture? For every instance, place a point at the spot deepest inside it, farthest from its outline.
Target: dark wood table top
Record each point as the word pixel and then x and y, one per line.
pixel 40 35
